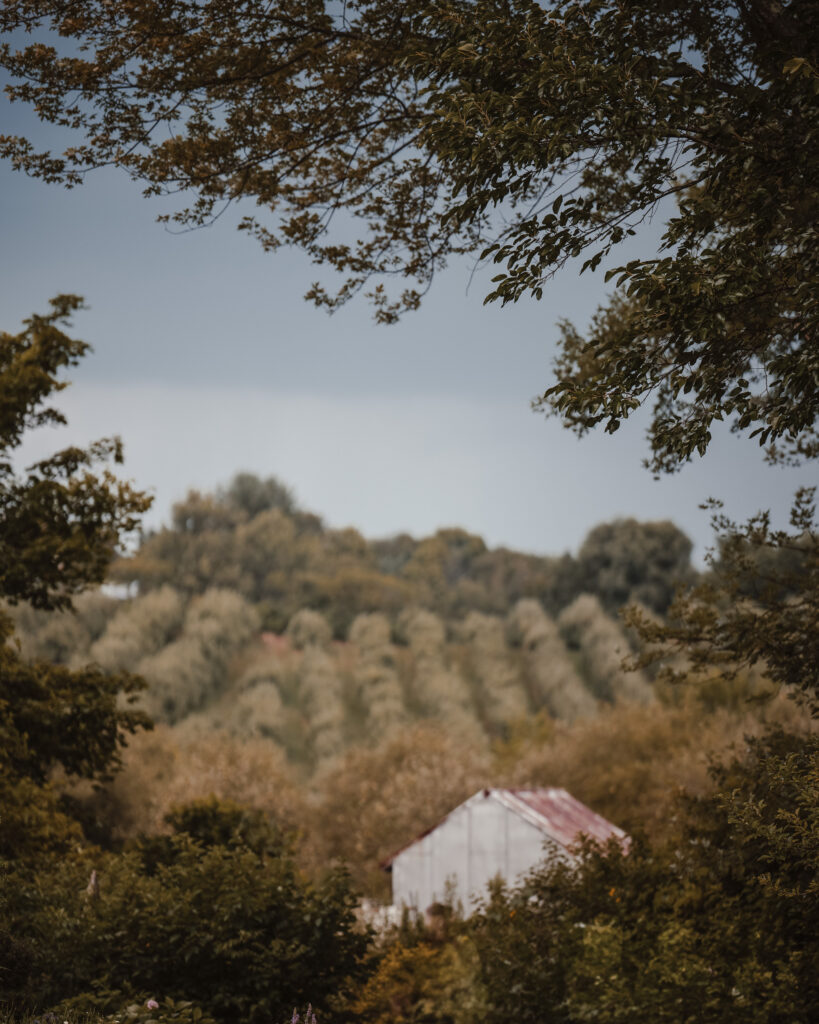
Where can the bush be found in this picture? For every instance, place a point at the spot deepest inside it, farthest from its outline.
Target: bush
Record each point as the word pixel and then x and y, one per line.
pixel 716 925
pixel 217 914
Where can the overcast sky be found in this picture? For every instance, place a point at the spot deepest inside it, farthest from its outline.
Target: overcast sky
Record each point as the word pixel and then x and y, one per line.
pixel 207 361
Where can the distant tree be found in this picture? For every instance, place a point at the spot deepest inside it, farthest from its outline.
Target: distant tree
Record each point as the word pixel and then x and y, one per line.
pixel 320 687
pixel 440 562
pixel 555 682
pixel 504 696
pixel 322 695
pixel 603 647
pixel 59 637
pixel 627 561
pixel 393 553
pixel 255 706
pixel 190 671
pixel 441 691
pixel 200 513
pixel 308 628
pixel 377 682
pixel 140 628
pixel 165 768
pixel 253 495
pixel 344 590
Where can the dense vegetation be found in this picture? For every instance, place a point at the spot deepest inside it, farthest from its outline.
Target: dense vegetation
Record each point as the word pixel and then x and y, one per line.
pixel 85 928
pixel 354 663
pixel 252 537
pixel 388 680
pixel 205 862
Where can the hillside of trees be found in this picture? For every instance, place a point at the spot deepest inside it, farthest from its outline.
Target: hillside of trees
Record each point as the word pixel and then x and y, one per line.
pixel 252 537
pixel 253 618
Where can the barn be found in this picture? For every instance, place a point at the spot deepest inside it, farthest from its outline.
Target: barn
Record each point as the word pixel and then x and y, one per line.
pixel 496 832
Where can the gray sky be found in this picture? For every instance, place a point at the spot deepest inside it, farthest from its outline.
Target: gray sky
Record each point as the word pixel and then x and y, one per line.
pixel 207 361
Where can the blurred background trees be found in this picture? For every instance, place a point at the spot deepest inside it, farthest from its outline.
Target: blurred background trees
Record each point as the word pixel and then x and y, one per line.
pixel 317 639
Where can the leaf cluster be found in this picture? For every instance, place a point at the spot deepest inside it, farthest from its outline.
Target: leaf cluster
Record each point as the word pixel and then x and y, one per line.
pixel 530 135
pixel 59 523
pixel 759 607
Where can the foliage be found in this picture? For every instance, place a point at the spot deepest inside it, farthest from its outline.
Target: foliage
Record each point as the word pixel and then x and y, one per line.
pixel 602 646
pixel 214 822
pixel 59 523
pixel 552 674
pixel 441 692
pixel 217 913
pixel 428 982
pixel 758 607
pixel 63 637
pixel 164 769
pixel 138 629
pixel 58 527
pixel 714 926
pixel 377 683
pixel 185 674
pixel 630 762
pixel 585 117
pixel 503 696
pixel 247 492
pixel 285 561
pixel 626 561
pixel 534 134
pixel 308 628
pixel 50 716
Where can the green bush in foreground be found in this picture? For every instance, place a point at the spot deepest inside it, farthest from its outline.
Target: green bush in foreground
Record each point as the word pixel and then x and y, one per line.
pixel 220 917
pixel 719 925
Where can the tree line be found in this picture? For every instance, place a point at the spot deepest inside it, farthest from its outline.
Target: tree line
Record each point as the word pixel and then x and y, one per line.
pixel 253 538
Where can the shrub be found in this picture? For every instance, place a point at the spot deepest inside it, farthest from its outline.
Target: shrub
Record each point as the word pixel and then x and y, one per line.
pixel 716 925
pixel 217 914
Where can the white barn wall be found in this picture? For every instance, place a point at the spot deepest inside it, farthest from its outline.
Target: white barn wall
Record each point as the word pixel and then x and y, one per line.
pixel 478 841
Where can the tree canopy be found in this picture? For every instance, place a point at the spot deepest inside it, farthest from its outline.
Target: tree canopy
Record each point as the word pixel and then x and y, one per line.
pixel 59 523
pixel 532 135
pixel 59 528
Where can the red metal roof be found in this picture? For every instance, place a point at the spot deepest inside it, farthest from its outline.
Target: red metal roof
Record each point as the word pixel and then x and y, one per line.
pixel 559 814
pixel 554 811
